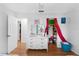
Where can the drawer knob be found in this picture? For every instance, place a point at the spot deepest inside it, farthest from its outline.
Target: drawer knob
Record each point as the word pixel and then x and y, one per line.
pixel 42 46
pixel 30 42
pixel 31 39
pixel 30 45
pixel 42 42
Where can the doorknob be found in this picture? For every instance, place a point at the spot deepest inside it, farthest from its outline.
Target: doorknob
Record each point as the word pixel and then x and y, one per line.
pixel 9 35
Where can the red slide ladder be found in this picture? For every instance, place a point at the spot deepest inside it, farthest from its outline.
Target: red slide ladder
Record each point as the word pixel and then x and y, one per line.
pixel 59 30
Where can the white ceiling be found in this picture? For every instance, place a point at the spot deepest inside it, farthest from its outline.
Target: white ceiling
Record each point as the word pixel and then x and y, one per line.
pixel 33 7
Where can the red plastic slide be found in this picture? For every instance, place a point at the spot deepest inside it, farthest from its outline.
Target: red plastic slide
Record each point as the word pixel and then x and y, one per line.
pixel 59 30
pixel 47 25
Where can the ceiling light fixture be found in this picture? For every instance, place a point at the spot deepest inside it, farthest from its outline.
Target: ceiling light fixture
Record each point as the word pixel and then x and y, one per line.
pixel 40 7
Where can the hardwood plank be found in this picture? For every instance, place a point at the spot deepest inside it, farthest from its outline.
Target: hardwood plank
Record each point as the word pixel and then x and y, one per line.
pixel 52 51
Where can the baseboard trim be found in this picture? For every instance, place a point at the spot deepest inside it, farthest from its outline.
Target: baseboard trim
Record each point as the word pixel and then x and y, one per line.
pixel 75 52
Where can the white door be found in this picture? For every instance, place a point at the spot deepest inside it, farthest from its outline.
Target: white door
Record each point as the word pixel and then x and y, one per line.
pixel 12 33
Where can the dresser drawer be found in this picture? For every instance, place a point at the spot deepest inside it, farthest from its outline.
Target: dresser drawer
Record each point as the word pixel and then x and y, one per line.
pixel 38 43
pixel 43 39
pixel 43 46
pixel 32 46
pixel 31 42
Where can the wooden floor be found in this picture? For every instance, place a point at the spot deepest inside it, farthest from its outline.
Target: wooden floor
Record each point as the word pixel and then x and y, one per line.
pixel 52 51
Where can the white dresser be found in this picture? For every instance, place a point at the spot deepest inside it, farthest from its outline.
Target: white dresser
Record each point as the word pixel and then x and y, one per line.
pixel 38 42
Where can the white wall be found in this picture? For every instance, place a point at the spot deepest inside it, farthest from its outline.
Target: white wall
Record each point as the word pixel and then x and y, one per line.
pixel 3 31
pixel 73 29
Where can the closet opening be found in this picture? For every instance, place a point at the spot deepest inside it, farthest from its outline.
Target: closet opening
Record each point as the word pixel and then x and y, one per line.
pixel 52 34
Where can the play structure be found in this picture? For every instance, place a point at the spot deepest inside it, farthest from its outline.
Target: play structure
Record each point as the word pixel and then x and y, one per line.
pixel 59 30
pixel 65 45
